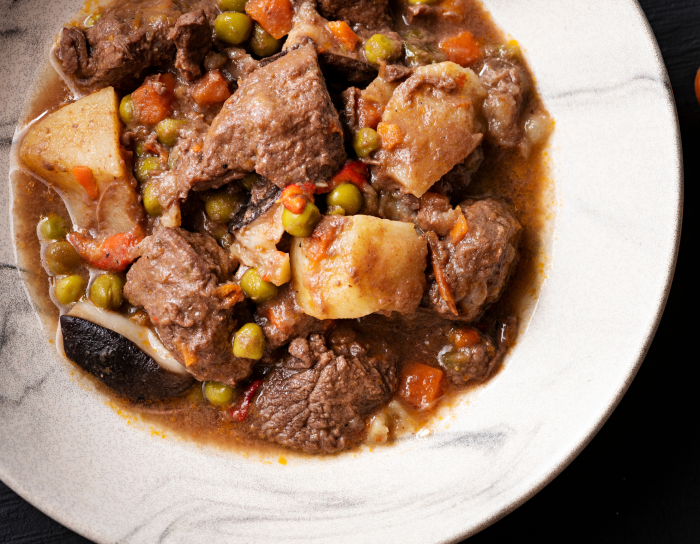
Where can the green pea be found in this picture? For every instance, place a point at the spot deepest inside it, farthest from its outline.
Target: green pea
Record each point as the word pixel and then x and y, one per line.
pixel 62 258
pixel 107 291
pixel 233 28
pixel 335 210
pixel 218 394
pixel 255 287
pixel 167 131
pixel 249 180
pixel 221 206
pixel 249 342
pixel 150 201
pixel 232 5
pixel 92 19
pixel 301 224
pixel 380 47
pixel 347 196
pixel 126 110
pixel 262 43
pixel 365 142
pixel 145 166
pixel 53 227
pixel 69 289
pixel 140 150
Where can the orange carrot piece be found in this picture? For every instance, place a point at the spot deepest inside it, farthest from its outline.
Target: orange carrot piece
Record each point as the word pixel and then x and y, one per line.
pixel 368 113
pixel 355 172
pixel 84 176
pixel 460 229
pixel 463 337
pixel 421 385
pixel 295 196
pixel 344 34
pixel 115 253
pixel 275 16
pixel 390 134
pixel 697 85
pixel 461 49
pixel 211 89
pixel 153 100
pixel 440 277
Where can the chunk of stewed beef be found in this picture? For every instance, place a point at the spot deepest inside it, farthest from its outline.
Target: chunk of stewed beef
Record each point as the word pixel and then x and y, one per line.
pixel 364 14
pixel 282 319
pixel 193 38
pixel 182 281
pixel 317 399
pixel 470 270
pixel 507 85
pixel 128 39
pixel 280 122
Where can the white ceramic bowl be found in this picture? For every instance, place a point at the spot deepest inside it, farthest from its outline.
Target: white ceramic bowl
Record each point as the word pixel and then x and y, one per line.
pixel 617 165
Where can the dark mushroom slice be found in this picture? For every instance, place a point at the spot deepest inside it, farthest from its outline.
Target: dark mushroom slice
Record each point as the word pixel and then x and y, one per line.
pixel 116 359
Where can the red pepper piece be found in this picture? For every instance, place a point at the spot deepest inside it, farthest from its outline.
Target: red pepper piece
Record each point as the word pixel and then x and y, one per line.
pixel 240 413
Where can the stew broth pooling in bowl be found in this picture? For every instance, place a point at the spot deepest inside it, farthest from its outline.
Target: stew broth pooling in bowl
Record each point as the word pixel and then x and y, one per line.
pixel 292 222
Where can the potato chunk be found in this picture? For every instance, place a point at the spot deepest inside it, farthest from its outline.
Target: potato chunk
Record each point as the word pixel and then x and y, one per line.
pixel 432 117
pixel 354 266
pixel 85 134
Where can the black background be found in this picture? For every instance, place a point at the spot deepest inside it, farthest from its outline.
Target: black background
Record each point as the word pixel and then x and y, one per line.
pixel 639 479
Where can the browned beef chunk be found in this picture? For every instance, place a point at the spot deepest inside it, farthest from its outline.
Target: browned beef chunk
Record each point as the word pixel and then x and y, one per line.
pixel 368 14
pixel 454 184
pixel 280 123
pixel 181 280
pixel 128 39
pixel 471 274
pixel 316 399
pixel 282 319
pixel 193 37
pixel 507 86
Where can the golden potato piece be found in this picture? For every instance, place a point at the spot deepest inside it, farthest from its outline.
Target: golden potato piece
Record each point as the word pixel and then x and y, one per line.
pixel 430 124
pixel 84 134
pixel 354 266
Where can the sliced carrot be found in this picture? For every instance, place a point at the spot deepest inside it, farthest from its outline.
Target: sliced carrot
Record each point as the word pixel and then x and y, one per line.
pixel 115 253
pixel 461 49
pixel 211 89
pixel 368 113
pixel 390 134
pixel 460 229
pixel 344 34
pixel 275 16
pixel 84 176
pixel 440 277
pixel 464 337
pixel 196 148
pixel 421 385
pixel 153 100
pixel 230 293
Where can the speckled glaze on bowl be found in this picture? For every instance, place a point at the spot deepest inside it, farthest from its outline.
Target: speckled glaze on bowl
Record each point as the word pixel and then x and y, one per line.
pixel 617 164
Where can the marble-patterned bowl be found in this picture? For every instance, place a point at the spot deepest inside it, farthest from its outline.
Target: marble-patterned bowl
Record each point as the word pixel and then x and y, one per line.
pixel 617 166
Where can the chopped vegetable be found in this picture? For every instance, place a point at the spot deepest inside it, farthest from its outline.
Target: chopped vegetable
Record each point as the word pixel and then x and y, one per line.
pixel 365 142
pixel 83 175
pixel 301 224
pixel 211 89
pixel 347 197
pixel 460 229
pixel 256 288
pixel 92 19
pixel 390 135
pixel 153 100
pixel 368 112
pixel 115 253
pixel 221 206
pixel 335 210
pixel 240 413
pixel 126 110
pixel 150 201
pixel 344 34
pixel 53 227
pixel 219 394
pixel 69 289
pixel 232 5
pixel 62 258
pixel 295 196
pixel 249 342
pixel 461 49
pixel 145 166
pixel 167 131
pixel 381 48
pixel 697 86
pixel 107 291
pixel 232 27
pixel 275 16
pixel 421 385
pixel 463 337
pixel 355 172
pixel 262 43
pixel 427 2
pixel 440 275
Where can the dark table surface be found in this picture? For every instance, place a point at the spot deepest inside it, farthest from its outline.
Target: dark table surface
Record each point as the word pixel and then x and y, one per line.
pixel 639 479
